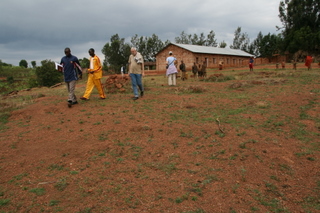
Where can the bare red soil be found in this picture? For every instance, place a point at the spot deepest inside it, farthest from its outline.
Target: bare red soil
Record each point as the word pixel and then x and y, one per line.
pixel 166 152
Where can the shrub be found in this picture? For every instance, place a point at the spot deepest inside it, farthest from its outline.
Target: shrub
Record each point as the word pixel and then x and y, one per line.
pixel 10 80
pixel 47 75
pixel 219 78
pixel 32 82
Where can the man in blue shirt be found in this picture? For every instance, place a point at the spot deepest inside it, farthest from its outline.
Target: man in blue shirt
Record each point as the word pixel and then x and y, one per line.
pixel 70 65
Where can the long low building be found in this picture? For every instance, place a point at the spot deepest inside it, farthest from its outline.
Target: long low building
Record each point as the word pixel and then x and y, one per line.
pixel 212 56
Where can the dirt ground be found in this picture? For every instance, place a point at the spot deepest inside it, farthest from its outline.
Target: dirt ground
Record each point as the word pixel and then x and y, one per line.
pixel 253 147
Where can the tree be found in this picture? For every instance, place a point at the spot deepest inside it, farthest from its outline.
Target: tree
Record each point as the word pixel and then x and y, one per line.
pixel 84 63
pixel 211 41
pixel 240 41
pixel 300 25
pixel 47 75
pixel 195 39
pixel 23 63
pixel 269 45
pixel 183 39
pixel 116 52
pixel 154 45
pixel 222 44
pixel 147 46
pixel 256 45
pixel 34 64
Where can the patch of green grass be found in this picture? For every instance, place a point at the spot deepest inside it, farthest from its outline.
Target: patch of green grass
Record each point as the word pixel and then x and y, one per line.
pixel 273 204
pixel 169 168
pixel 55 167
pixel 184 134
pixel 241 133
pixel 219 133
pixel 74 172
pixel 18 177
pixel 273 177
pixel 53 202
pixel 243 174
pixel 312 201
pixel 286 168
pixel 38 191
pixel 4 118
pixel 182 198
pixel 62 184
pixel 103 136
pixel 85 210
pixel 235 187
pixel 4 202
pixel 222 78
pixel 243 144
pixel 195 211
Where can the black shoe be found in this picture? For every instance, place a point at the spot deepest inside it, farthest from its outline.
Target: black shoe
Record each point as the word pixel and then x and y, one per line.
pixel 69 103
pixel 135 98
pixel 76 102
pixel 141 94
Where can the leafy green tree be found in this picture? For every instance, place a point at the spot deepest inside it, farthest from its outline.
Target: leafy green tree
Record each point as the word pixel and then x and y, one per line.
pixel 300 25
pixel 195 39
pixel 139 43
pixel 183 39
pixel 198 40
pixel 237 40
pixel 84 63
pixel 269 45
pixel 23 63
pixel 222 44
pixel 47 75
pixel 116 52
pixel 147 46
pixel 34 64
pixel 154 45
pixel 211 41
pixel 256 45
pixel 1 65
pixel 6 64
pixel 240 41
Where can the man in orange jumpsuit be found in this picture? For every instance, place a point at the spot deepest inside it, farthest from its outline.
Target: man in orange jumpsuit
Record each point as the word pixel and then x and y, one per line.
pixel 308 62
pixel 94 76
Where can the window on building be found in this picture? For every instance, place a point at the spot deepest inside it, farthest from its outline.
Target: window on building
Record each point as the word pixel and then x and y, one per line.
pixel 214 60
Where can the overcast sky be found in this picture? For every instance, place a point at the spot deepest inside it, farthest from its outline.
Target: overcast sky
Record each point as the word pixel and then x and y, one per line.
pixel 36 30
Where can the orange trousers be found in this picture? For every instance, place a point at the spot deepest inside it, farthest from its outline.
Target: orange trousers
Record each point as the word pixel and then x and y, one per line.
pixel 91 83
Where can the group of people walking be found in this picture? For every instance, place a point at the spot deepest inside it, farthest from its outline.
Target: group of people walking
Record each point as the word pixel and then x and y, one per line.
pixel 72 71
pixel 172 71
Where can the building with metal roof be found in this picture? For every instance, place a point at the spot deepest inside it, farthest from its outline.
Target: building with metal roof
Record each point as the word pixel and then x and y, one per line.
pixel 212 56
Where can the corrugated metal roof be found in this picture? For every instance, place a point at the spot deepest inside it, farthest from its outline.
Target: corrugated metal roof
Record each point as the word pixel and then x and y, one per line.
pixel 213 50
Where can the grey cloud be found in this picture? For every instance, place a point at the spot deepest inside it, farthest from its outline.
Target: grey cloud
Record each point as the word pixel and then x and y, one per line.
pixel 41 29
